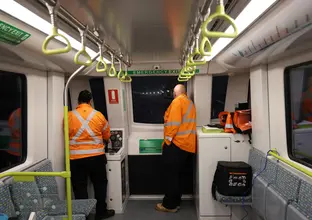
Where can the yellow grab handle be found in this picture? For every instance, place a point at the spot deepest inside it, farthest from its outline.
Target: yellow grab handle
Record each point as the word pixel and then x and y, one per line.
pixel 58 50
pixel 187 72
pixel 101 61
pixel 85 54
pixel 98 65
pixel 203 44
pixel 83 50
pixel 220 13
pixel 191 62
pixel 126 78
pixel 52 12
pixel 123 76
pixel 183 79
pixel 112 71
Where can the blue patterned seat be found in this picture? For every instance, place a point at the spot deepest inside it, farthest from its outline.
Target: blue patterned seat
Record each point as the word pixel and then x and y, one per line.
pixel 19 199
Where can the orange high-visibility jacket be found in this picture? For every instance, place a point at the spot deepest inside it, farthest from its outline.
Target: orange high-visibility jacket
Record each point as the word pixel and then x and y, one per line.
pixel 87 129
pixel 307 105
pixel 15 128
pixel 180 124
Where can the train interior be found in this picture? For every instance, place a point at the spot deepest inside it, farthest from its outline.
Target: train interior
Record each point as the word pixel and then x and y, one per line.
pixel 229 54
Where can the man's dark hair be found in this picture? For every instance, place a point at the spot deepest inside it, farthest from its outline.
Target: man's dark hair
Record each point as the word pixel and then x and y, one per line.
pixel 84 97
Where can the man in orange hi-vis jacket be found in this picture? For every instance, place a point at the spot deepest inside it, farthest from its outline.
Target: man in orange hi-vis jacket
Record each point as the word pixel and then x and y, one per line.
pixel 87 130
pixel 179 144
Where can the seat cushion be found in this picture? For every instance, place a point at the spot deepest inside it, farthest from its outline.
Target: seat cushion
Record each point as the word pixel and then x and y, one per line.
pixel 294 214
pixel 82 206
pixel 47 185
pixel 258 196
pixel 6 204
pixel 232 200
pixel 275 205
pixel 26 198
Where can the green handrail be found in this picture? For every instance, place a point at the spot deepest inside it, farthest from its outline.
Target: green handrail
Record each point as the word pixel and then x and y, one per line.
pixel 54 34
pixel 83 50
pixel 101 61
pixel 220 13
pixel 190 61
pixel 290 163
pixel 112 70
pixel 205 43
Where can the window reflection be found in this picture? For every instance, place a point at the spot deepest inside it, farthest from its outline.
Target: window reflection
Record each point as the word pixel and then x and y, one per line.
pixel 12 121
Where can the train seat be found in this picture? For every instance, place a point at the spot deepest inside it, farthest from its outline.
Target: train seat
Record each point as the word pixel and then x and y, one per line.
pixel 40 196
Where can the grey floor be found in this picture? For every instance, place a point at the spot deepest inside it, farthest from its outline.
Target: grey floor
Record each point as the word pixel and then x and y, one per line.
pixel 145 210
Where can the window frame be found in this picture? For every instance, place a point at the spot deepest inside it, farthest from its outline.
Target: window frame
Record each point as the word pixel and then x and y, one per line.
pixel 288 115
pixel 24 114
pixel 216 120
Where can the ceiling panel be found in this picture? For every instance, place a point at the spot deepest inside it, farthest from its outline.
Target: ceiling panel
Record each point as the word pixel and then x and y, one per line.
pixel 139 26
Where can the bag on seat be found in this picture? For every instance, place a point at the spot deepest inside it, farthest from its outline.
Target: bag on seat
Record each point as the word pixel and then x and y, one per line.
pixel 232 179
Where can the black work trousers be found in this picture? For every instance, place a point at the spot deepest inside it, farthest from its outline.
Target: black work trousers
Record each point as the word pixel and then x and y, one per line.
pixel 95 168
pixel 174 161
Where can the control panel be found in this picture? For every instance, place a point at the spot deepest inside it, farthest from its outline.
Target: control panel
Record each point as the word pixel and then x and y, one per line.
pixel 116 142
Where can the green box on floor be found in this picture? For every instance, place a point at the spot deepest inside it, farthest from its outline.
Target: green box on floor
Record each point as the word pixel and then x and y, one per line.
pixel 150 146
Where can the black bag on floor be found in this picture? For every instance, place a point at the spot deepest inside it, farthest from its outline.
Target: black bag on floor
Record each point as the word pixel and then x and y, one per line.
pixel 232 179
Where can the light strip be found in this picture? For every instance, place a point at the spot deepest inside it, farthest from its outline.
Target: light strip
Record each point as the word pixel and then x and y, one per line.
pixel 20 12
pixel 250 13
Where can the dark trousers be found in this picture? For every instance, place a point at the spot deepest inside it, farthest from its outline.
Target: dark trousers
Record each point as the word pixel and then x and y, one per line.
pixel 174 160
pixel 95 168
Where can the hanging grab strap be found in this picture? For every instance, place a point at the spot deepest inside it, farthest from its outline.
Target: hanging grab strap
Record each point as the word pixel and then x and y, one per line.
pixel 83 50
pixel 101 60
pixel 220 13
pixel 205 43
pixel 190 60
pixel 112 71
pixel 54 34
pixel 123 75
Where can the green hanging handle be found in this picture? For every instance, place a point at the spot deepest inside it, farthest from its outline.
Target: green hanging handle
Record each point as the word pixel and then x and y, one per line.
pixel 190 61
pixel 220 13
pixel 185 72
pixel 101 60
pixel 83 50
pixel 183 78
pixel 205 43
pixel 54 34
pixel 112 70
pixel 123 75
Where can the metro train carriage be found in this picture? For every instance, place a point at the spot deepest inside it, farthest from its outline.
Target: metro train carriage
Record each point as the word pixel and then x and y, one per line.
pixel 244 65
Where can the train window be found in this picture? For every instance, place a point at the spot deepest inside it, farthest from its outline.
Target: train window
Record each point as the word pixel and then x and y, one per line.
pixel 151 96
pixel 219 87
pixel 13 120
pixel 98 93
pixel 298 105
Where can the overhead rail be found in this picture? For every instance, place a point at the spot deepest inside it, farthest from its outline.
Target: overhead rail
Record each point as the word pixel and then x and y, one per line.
pixel 56 10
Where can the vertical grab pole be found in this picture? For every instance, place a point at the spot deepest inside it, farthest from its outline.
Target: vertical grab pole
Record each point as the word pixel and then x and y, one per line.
pixel 66 139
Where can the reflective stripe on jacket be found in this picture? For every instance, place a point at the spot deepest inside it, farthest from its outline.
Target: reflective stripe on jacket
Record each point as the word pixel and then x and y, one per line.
pixel 87 129
pixel 307 105
pixel 180 124
pixel 15 128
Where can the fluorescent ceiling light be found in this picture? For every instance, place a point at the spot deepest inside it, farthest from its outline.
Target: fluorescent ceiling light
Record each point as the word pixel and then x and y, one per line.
pixel 18 11
pixel 250 13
